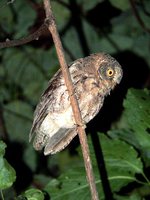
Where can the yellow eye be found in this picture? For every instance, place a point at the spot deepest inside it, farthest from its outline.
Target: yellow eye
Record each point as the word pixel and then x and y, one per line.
pixel 110 72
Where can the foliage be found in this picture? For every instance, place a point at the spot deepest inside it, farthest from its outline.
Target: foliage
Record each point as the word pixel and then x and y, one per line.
pixel 120 167
pixel 123 126
pixel 136 120
pixel 7 173
pixel 32 194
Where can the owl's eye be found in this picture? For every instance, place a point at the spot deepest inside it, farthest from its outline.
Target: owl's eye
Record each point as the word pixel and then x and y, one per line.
pixel 110 72
pixel 106 72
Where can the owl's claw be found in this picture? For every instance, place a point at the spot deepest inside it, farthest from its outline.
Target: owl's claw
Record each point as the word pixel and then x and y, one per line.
pixel 83 125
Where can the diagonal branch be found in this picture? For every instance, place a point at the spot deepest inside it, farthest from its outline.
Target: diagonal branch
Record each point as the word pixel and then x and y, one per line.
pixel 137 16
pixel 33 36
pixel 74 103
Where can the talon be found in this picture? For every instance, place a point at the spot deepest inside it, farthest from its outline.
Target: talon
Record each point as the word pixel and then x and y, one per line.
pixel 82 125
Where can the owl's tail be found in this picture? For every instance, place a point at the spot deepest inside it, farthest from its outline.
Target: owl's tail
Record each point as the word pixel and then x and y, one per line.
pixel 59 140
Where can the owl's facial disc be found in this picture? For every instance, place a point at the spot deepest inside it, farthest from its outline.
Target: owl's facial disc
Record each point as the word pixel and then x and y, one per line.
pixel 111 73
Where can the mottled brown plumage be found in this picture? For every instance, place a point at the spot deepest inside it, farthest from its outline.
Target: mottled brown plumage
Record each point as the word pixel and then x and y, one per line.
pixel 93 78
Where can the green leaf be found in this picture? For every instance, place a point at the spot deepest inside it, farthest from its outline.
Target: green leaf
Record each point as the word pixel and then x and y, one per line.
pixel 7 173
pixel 122 5
pixel 2 148
pixel 127 33
pixel 71 185
pixel 134 196
pixel 32 194
pixel 26 16
pixel 6 19
pixel 18 118
pixel 122 164
pixel 88 4
pixel 136 122
pixel 73 45
pixel 29 73
pixel 61 17
pixel 32 154
pixel 92 35
pixel 121 167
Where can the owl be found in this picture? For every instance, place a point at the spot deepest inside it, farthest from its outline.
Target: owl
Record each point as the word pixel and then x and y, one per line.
pixel 93 78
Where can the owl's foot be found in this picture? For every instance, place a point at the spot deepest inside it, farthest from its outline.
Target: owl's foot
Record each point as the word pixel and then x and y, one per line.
pixel 83 125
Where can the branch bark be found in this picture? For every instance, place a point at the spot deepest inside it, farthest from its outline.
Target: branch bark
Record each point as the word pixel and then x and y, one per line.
pixel 33 36
pixel 74 103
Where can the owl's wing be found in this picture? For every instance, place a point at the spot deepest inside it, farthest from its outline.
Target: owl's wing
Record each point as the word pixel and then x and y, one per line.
pixel 60 140
pixel 47 97
pixel 41 110
pixel 51 103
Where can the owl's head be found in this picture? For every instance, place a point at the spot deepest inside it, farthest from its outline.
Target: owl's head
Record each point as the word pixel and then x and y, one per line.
pixel 108 70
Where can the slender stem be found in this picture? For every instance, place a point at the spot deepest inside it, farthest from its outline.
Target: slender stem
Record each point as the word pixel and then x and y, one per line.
pixel 3 130
pixel 137 16
pixel 2 196
pixel 74 103
pixel 33 36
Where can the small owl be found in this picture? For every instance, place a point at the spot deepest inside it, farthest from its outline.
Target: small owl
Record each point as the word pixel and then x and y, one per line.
pixel 93 78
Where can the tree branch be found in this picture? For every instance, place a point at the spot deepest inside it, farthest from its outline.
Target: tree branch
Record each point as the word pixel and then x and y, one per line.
pixel 137 16
pixel 74 103
pixel 33 36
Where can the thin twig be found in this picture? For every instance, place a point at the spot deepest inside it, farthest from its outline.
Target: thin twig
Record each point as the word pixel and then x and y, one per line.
pixel 74 103
pixel 144 8
pixel 2 195
pixel 135 11
pixel 33 36
pixel 3 130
